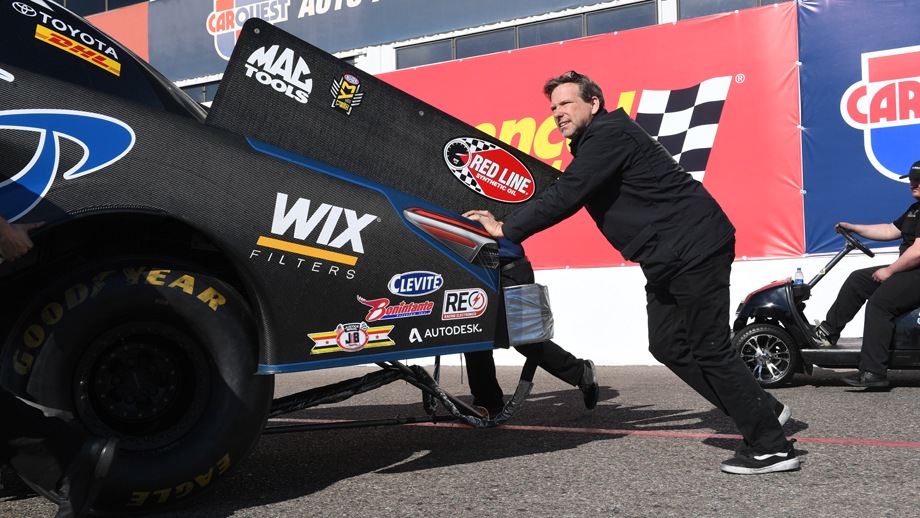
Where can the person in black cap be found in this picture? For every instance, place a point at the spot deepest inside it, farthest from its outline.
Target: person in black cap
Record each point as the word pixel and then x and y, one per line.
pixel 887 292
pixel 61 462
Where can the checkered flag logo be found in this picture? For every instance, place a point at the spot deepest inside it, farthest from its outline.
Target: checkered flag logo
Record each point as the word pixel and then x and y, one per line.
pixel 457 154
pixel 685 121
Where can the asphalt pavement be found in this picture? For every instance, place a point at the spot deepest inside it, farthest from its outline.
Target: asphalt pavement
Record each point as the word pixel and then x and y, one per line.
pixel 652 447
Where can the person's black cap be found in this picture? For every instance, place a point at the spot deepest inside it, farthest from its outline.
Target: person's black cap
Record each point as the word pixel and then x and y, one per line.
pixel 914 173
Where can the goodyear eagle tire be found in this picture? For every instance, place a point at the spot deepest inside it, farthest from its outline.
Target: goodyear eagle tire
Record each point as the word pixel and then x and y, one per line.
pixel 160 358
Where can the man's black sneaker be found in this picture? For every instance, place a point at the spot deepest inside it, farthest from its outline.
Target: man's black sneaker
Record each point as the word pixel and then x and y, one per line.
pixel 589 385
pixel 866 379
pixel 748 462
pixel 783 412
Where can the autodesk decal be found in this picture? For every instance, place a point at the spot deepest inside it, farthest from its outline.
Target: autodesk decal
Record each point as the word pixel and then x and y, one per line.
pixel 885 105
pixel 104 141
pixel 228 17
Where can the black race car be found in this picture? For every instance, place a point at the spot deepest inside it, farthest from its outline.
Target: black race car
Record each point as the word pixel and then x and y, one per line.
pixel 309 219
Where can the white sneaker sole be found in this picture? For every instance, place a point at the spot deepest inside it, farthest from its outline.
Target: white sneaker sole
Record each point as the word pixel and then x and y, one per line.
pixel 786 465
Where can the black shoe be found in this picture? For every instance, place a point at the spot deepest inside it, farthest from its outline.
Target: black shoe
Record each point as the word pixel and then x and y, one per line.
pixel 589 385
pixel 866 379
pixel 81 483
pixel 783 412
pixel 748 462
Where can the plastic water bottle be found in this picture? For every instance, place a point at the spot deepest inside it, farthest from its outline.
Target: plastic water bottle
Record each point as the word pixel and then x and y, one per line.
pixel 799 276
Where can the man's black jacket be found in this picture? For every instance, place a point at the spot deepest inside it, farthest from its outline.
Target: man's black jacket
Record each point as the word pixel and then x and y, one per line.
pixel 644 203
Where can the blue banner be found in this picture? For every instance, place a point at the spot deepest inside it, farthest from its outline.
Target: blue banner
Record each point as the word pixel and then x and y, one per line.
pixel 860 85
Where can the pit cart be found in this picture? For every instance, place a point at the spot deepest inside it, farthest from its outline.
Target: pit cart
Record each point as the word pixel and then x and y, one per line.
pixel 776 340
pixel 308 220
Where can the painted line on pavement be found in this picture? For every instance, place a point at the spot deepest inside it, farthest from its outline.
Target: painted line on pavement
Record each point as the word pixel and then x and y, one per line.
pixel 845 441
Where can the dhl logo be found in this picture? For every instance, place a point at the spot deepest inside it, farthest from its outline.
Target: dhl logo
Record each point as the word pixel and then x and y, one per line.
pixel 535 139
pixel 78 49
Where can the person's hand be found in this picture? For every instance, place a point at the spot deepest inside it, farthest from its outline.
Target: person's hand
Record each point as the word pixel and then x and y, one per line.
pixel 488 221
pixel 882 274
pixel 844 225
pixel 15 240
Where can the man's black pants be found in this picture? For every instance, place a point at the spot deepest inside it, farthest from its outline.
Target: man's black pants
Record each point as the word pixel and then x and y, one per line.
pixel 688 321
pixel 480 366
pixel 884 302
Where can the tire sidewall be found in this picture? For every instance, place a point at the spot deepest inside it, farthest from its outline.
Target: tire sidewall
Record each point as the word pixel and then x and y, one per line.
pixel 49 356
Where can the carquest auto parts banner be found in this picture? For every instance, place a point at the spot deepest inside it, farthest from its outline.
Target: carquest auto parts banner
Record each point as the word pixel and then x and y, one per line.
pixel 860 112
pixel 673 79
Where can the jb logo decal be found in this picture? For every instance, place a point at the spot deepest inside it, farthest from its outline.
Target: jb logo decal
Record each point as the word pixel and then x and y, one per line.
pixel 489 170
pixel 104 141
pixel 351 337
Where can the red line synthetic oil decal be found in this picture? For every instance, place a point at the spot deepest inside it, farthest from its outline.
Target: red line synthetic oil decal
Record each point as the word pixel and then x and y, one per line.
pixel 489 170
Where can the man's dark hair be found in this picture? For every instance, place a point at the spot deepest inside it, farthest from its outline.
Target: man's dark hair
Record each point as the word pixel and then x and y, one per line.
pixel 587 88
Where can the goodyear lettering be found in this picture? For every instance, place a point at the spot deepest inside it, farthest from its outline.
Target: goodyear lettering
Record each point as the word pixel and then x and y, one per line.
pixel 84 37
pixel 35 334
pixel 305 222
pixel 282 70
pixel 317 7
pixel 181 490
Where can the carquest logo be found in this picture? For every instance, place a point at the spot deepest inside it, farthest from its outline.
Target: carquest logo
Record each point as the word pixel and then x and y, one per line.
pixel 885 105
pixel 489 170
pixel 104 141
pixel 282 70
pixel 228 17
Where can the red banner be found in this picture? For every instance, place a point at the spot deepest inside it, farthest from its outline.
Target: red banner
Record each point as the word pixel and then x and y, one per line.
pixel 747 58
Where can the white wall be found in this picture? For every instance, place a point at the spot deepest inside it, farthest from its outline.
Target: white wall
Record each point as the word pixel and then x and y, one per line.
pixel 600 312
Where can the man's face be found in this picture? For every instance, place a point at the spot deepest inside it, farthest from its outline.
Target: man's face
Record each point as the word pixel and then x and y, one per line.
pixel 571 112
pixel 915 188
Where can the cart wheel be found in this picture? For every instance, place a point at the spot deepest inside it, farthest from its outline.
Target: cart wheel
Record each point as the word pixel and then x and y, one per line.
pixel 769 352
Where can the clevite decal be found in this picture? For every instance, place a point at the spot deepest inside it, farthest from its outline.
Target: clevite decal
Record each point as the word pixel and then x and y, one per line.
pixel 489 170
pixel 415 284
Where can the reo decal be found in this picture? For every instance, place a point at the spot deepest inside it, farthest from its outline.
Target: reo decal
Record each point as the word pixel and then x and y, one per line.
pixel 468 303
pixel 104 141
pixel 489 170
pixel 346 94
pixel 415 284
pixel 382 310
pixel 351 337
pixel 885 106
pixel 282 70
pixel 228 17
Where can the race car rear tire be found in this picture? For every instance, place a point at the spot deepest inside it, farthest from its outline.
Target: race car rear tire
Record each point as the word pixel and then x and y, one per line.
pixel 162 359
